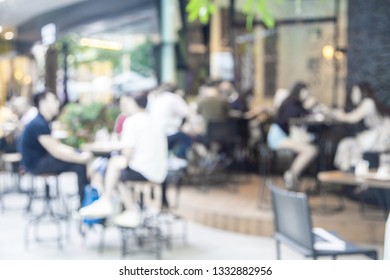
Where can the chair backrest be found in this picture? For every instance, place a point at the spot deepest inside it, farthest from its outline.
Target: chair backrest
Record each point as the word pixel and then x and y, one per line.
pixel 292 217
pixel 221 131
pixel 386 249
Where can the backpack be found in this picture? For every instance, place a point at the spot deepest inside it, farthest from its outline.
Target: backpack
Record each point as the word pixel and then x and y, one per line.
pixel 90 195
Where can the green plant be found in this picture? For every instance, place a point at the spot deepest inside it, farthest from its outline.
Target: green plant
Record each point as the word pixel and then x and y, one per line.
pixel 82 121
pixel 203 9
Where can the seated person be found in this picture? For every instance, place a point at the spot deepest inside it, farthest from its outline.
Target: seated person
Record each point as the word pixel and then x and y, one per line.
pixel 42 153
pixel 279 136
pixel 8 122
pixel 375 138
pixel 144 158
pixel 24 110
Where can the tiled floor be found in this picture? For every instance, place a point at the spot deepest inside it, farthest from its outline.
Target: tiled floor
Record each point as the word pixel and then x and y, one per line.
pixel 236 210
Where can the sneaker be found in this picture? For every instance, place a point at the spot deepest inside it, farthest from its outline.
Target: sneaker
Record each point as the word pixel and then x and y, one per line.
pixel 100 208
pixel 175 163
pixel 128 219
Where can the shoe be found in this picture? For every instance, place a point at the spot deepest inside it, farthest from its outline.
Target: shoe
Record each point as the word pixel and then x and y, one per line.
pixel 100 208
pixel 128 219
pixel 290 181
pixel 175 163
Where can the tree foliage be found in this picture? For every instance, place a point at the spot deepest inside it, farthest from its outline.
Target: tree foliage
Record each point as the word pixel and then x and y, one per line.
pixel 203 9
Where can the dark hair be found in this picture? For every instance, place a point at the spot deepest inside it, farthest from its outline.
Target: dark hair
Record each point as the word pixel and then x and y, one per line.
pixel 368 92
pixel 295 92
pixel 39 96
pixel 141 99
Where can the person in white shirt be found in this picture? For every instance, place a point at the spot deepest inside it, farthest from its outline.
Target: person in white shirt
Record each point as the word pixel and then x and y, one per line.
pixel 170 110
pixel 370 110
pixel 24 110
pixel 144 157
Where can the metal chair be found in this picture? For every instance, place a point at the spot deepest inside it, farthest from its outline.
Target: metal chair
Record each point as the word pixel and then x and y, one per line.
pixel 293 227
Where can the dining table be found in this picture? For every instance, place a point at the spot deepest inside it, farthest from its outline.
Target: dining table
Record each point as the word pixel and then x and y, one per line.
pixel 102 148
pixel 372 179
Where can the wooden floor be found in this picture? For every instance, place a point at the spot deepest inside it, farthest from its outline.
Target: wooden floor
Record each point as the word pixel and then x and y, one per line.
pixel 235 207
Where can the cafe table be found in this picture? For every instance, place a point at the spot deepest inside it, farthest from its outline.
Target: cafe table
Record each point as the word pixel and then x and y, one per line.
pixel 102 148
pixel 348 179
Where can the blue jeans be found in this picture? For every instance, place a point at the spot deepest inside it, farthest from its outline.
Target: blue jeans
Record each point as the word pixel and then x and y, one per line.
pixel 180 143
pixel 49 164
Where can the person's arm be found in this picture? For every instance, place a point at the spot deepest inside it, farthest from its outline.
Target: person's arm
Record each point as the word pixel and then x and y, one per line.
pixel 366 107
pixel 63 152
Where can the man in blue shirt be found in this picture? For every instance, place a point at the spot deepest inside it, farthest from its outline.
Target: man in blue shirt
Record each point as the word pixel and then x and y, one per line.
pixel 42 153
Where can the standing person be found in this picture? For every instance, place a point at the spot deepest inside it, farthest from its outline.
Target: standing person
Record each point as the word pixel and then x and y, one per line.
pixel 144 157
pixel 368 109
pixel 42 153
pixel 279 136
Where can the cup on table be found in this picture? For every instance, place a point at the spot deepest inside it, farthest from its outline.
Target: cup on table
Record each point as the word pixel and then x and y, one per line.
pixel 361 167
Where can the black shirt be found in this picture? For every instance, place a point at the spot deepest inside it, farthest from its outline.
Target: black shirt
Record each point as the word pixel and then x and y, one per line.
pixel 288 110
pixel 32 151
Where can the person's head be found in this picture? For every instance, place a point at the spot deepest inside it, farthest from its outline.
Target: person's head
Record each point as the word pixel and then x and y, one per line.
pixel 360 91
pixel 364 90
pixel 299 92
pixel 47 103
pixel 20 105
pixel 209 88
pixel 141 99
pixel 226 88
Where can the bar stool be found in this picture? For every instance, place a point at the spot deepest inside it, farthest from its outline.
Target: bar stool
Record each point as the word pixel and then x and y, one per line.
pixel 12 165
pixel 48 213
pixel 155 227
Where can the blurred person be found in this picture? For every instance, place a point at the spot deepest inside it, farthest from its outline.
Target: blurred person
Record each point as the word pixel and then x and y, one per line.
pixel 237 103
pixel 144 157
pixel 169 109
pixel 42 153
pixel 280 137
pixel 368 109
pixel 8 125
pixel 125 111
pixel 24 110
pixel 212 106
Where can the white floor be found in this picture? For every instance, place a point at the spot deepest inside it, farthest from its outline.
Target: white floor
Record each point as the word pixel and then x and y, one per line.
pixel 203 243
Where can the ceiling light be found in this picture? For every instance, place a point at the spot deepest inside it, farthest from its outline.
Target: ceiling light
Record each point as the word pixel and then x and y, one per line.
pixel 101 44
pixel 328 52
pixel 9 35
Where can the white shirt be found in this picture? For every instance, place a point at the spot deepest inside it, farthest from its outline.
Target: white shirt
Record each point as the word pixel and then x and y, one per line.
pixel 168 110
pixel 149 146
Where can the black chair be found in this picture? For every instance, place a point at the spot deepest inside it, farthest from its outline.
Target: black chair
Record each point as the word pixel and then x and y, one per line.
pixel 293 227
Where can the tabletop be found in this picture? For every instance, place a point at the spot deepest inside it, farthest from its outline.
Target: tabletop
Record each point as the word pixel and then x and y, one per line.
pixel 370 179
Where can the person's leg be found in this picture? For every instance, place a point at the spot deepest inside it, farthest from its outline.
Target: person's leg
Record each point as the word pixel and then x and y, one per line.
pixel 102 207
pixel 49 164
pixel 306 152
pixel 115 165
pixel 181 141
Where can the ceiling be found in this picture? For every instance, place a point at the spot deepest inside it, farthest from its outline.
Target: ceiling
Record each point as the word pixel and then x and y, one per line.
pixel 16 12
pixel 123 21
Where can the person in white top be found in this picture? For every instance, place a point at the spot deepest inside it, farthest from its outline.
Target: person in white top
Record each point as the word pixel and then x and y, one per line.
pixel 24 110
pixel 170 110
pixel 369 110
pixel 144 157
